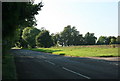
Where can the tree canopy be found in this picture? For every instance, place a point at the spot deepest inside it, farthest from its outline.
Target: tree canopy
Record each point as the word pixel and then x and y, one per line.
pixel 70 36
pixel 107 40
pixel 17 15
pixel 43 39
pixel 90 39
pixel 29 34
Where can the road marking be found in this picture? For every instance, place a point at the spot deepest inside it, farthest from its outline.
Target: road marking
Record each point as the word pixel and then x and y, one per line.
pixel 76 73
pixel 50 62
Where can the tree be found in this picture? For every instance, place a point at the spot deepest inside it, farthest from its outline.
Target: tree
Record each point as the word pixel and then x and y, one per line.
pixel 43 39
pixel 108 39
pixel 29 34
pixel 66 35
pixel 113 40
pixel 78 40
pixel 118 40
pixel 16 15
pixel 55 38
pixel 89 39
pixel 102 40
pixel 70 36
pixel 76 37
pixel 21 43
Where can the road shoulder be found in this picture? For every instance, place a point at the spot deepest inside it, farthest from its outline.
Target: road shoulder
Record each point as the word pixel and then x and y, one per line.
pixel 106 58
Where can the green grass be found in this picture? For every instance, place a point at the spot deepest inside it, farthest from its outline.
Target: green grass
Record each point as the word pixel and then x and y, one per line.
pixel 81 51
pixel 8 67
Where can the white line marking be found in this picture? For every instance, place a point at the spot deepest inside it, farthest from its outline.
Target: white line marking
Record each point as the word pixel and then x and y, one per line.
pixel 50 62
pixel 76 73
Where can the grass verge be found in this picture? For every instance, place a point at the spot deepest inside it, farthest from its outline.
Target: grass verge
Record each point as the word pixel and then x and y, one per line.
pixel 8 67
pixel 82 51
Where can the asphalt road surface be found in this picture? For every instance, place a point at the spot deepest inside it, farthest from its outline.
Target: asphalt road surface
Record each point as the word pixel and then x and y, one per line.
pixel 39 65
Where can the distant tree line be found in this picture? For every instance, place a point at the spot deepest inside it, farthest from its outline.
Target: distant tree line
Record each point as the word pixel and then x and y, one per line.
pixel 104 40
pixel 32 37
pixel 70 36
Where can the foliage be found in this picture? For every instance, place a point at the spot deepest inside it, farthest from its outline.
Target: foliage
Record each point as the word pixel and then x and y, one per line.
pixel 55 38
pixel 29 34
pixel 107 40
pixel 15 16
pixel 90 39
pixel 43 39
pixel 21 43
pixel 102 40
pixel 18 14
pixel 113 40
pixel 70 36
pixel 118 40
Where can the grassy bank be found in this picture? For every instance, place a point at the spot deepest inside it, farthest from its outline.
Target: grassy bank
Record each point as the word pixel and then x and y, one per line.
pixel 82 51
pixel 8 67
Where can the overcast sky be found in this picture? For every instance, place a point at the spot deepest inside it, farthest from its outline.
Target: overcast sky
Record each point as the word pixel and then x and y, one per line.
pixel 94 16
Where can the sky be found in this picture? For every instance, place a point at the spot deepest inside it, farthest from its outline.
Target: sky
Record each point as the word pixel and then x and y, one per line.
pixel 95 16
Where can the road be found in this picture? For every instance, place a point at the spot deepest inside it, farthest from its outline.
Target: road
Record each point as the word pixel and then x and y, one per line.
pixel 39 65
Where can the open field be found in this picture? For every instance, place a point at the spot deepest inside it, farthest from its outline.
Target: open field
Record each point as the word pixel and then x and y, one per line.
pixel 82 51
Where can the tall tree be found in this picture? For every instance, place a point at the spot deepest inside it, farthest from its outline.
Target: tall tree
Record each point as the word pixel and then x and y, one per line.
pixel 70 36
pixel 108 39
pixel 14 16
pixel 29 34
pixel 19 14
pixel 113 40
pixel 102 40
pixel 78 40
pixel 89 39
pixel 43 39
pixel 66 35
pixel 55 38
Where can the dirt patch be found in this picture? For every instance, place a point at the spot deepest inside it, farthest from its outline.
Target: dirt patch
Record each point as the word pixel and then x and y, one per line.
pixel 107 58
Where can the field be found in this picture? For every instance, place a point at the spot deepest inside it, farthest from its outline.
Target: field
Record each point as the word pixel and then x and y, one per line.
pixel 82 51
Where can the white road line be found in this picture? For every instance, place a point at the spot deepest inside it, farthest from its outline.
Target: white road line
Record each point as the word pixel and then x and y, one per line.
pixel 76 73
pixel 50 62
